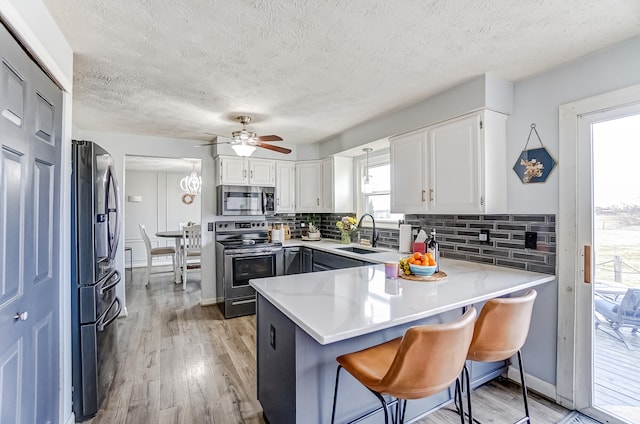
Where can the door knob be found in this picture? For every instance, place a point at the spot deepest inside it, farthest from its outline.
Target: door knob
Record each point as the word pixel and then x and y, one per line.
pixel 22 316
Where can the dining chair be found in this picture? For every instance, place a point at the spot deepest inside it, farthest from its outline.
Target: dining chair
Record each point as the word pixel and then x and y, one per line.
pixel 154 252
pixel 422 363
pixel 191 250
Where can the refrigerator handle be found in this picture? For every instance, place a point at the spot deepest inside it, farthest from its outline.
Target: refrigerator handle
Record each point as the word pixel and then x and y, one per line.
pixel 113 278
pixel 103 324
pixel 118 211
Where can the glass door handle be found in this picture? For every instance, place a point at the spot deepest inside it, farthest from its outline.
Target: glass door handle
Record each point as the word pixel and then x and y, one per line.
pixel 587 264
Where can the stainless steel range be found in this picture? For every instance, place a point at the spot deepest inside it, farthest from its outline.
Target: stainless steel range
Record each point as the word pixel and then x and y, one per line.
pixel 244 252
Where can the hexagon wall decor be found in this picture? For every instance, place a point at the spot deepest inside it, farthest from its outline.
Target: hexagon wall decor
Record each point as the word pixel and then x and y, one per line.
pixel 534 165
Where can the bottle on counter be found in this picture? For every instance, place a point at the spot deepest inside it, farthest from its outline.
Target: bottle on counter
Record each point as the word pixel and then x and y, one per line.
pixel 434 248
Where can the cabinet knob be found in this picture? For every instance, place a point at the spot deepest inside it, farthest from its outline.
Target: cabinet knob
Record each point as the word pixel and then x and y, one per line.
pixel 21 316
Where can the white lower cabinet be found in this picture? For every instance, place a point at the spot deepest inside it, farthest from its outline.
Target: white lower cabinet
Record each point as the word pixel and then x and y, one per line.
pixel 457 166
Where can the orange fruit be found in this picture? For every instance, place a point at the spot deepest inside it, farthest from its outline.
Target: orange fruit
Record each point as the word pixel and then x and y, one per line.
pixel 417 255
pixel 430 256
pixel 425 262
pixel 411 260
pixel 432 262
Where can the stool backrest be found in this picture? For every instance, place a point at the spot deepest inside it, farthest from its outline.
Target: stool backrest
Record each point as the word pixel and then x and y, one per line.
pixel 429 359
pixel 502 328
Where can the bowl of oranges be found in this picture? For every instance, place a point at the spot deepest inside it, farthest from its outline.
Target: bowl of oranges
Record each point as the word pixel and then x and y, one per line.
pixel 421 264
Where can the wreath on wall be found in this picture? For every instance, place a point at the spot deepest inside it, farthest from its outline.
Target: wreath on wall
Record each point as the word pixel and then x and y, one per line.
pixel 188 199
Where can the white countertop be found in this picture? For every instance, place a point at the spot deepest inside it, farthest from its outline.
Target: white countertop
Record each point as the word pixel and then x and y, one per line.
pixel 337 305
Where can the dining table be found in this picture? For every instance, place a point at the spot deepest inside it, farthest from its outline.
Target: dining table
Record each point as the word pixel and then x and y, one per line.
pixel 177 236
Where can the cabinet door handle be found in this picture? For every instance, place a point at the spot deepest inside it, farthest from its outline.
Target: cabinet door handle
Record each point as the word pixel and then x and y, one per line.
pixel 278 201
pixel 317 201
pixel 431 195
pixel 251 175
pixel 587 264
pixel 244 173
pixel 423 194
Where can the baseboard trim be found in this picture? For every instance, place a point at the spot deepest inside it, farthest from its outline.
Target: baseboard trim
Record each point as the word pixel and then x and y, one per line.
pixel 534 383
pixel 209 302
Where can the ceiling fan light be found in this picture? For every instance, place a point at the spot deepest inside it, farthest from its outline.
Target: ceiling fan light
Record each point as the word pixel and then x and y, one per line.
pixel 243 150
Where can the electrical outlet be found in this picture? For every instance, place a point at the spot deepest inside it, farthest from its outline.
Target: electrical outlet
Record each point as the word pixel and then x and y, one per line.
pixel 530 240
pixel 209 226
pixel 484 236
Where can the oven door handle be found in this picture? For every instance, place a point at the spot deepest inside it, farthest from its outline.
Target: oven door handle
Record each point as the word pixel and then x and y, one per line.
pixel 103 324
pixel 254 253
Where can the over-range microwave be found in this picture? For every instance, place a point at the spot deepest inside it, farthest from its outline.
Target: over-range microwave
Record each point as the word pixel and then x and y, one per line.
pixel 246 200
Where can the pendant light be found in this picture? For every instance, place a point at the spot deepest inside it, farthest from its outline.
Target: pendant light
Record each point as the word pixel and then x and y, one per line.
pixel 367 185
pixel 192 183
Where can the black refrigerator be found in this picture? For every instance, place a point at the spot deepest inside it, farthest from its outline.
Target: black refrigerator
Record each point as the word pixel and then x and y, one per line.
pixel 95 221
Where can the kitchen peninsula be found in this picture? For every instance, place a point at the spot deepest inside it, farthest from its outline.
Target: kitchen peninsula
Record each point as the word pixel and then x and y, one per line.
pixel 304 321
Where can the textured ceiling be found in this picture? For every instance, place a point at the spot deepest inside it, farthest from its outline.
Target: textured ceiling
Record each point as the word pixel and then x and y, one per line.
pixel 307 70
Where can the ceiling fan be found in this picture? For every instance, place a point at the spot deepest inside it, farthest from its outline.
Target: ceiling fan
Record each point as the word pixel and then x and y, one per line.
pixel 244 142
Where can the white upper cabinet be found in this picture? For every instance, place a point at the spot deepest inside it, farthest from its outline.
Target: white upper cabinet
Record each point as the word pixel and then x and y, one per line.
pixel 337 185
pixel 308 186
pixel 457 166
pixel 408 172
pixel 231 171
pixel 325 185
pixel 262 172
pixel 285 186
pixel 242 171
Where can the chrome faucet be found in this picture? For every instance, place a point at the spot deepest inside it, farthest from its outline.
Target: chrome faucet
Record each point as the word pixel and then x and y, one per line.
pixel 374 235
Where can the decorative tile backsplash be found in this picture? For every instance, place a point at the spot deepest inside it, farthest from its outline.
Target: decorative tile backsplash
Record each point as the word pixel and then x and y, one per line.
pixel 458 236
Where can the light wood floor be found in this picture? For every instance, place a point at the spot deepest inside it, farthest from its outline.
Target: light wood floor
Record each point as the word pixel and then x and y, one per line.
pixel 183 363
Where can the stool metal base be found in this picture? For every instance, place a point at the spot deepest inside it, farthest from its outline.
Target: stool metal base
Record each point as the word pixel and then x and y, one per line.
pixel 400 405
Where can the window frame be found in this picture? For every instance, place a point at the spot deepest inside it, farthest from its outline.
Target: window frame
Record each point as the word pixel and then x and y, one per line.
pixel 361 164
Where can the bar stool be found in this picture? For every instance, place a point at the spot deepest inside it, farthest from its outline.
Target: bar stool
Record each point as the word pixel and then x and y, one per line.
pixel 425 361
pixel 500 333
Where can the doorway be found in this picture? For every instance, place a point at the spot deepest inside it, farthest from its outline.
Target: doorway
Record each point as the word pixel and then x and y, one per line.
pixel 154 197
pixel 597 221
pixel 616 263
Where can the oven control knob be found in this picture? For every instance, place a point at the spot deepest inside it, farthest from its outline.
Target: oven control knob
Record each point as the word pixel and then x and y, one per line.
pixel 226 225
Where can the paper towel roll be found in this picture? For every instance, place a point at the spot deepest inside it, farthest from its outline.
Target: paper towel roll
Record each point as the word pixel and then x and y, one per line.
pixel 404 240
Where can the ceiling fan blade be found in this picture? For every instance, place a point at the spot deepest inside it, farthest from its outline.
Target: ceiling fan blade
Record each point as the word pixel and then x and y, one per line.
pixel 213 143
pixel 274 148
pixel 269 138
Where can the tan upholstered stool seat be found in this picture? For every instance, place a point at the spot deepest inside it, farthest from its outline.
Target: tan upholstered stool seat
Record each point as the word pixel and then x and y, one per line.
pixel 425 361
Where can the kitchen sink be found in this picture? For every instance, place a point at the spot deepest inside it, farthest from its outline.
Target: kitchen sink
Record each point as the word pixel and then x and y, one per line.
pixel 358 250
